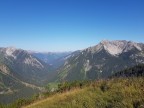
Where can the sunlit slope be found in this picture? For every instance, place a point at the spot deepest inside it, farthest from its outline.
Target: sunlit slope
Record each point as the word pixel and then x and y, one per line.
pixel 101 60
pixel 114 93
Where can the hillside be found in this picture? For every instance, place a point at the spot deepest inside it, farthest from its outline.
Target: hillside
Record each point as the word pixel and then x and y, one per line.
pixel 12 89
pixel 24 66
pixel 21 74
pixel 123 90
pixel 102 60
pixel 114 93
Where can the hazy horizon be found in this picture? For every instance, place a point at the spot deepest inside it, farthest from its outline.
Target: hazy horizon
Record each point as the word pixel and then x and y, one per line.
pixel 37 51
pixel 69 25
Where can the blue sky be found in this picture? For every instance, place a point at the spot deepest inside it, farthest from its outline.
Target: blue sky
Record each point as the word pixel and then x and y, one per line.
pixel 68 25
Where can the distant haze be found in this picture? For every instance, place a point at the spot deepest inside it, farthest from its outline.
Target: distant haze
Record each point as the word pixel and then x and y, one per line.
pixel 69 25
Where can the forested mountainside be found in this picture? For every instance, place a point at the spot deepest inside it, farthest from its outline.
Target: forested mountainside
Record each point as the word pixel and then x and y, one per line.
pixel 136 71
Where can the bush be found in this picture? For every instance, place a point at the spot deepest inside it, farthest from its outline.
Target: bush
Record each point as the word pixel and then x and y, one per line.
pixel 104 87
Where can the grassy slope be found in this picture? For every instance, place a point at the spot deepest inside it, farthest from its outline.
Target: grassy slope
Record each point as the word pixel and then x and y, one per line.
pixel 115 93
pixel 17 89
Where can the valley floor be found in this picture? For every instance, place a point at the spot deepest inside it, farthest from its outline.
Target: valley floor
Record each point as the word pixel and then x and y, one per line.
pixel 114 93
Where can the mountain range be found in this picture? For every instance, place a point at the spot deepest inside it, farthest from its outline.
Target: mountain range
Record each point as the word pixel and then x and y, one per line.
pixel 102 60
pixel 21 74
pixel 24 66
pixel 27 72
pixel 55 59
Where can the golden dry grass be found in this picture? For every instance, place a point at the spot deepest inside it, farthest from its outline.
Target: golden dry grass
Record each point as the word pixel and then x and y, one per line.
pixel 115 93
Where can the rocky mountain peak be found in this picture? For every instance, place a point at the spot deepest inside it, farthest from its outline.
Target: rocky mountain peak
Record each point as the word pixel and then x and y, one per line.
pixel 9 51
pixel 119 46
pixel 115 47
pixel 102 60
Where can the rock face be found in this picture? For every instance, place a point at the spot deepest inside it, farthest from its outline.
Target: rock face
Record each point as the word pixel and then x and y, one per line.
pixel 9 51
pixel 102 60
pixel 116 47
pixel 4 69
